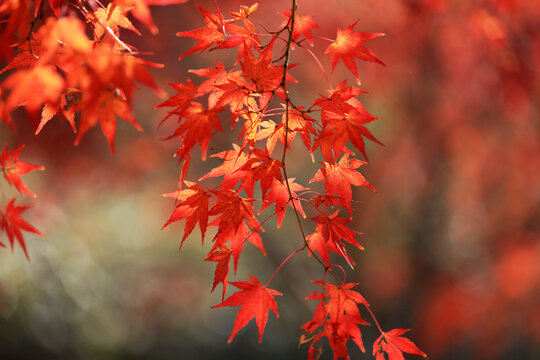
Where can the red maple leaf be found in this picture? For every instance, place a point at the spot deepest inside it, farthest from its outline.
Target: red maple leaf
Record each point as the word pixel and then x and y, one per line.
pixel 232 210
pixel 279 196
pixel 66 106
pixel 235 94
pixel 342 118
pixel 302 123
pixel 302 25
pixel 348 45
pixel 193 207
pixel 331 229
pixel 223 259
pixel 196 126
pixel 342 300
pixel 24 57
pixel 337 100
pixel 260 167
pixel 109 19
pixel 244 12
pixel 243 36
pixel 12 223
pixel 338 128
pixel 237 238
pixel 264 75
pixel 233 161
pixel 12 169
pixel 217 76
pixel 337 318
pixel 327 200
pixel 181 101
pixel 212 34
pixel 339 177
pixel 256 301
pixel 395 345
pixel 33 87
pixel 54 4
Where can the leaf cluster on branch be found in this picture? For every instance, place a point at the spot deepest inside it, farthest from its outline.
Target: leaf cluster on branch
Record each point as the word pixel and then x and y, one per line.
pixel 70 62
pixel 254 93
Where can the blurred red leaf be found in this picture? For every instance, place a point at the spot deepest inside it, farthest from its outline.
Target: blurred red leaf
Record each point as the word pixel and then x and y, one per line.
pixel 12 223
pixel 13 169
pixel 394 345
pixel 302 25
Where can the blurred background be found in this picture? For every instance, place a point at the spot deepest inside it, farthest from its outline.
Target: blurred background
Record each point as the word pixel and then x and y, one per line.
pixel 452 235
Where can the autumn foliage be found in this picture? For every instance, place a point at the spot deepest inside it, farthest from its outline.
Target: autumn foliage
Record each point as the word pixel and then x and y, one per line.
pixel 68 60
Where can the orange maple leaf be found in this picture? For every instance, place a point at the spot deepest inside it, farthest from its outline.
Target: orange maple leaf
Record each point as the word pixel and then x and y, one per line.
pixel 66 105
pixel 245 11
pixel 105 111
pixel 33 87
pixel 110 19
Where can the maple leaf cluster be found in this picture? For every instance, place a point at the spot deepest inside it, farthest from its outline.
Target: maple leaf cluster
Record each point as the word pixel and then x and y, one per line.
pixel 254 94
pixel 11 221
pixel 62 71
pixel 56 69
pixel 70 62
